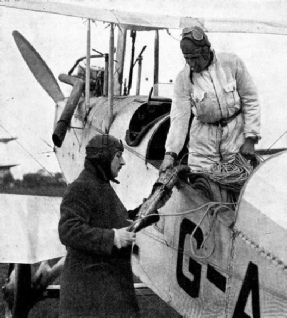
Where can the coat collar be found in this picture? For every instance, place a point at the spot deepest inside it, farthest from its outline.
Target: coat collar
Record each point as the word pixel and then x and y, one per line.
pixel 96 170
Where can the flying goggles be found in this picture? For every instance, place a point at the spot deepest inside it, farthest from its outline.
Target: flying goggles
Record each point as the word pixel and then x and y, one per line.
pixel 196 35
pixel 195 32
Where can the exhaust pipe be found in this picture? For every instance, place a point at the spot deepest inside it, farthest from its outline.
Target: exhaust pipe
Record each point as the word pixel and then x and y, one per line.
pixel 65 119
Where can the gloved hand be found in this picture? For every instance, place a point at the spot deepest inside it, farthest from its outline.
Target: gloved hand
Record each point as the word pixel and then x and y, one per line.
pixel 167 163
pixel 123 237
pixel 247 149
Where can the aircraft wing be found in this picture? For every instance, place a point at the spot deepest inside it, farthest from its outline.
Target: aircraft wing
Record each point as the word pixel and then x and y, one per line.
pixel 213 16
pixel 261 212
pixel 29 229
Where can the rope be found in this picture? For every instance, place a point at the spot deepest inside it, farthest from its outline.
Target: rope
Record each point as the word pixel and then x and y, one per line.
pixel 211 222
pixel 218 206
pixel 209 205
pixel 232 175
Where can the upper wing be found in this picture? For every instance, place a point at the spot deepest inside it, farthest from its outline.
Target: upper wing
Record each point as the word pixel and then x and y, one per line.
pixel 213 16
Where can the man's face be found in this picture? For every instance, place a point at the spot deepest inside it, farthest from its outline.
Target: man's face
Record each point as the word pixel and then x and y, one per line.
pixel 196 62
pixel 117 163
pixel 197 57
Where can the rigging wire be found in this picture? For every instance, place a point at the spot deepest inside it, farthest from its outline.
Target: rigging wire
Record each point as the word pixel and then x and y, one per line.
pixel 173 37
pixel 27 151
pixel 275 142
pixel 25 128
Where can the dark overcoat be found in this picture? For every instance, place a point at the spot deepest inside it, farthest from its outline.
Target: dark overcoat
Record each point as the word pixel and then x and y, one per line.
pixel 97 279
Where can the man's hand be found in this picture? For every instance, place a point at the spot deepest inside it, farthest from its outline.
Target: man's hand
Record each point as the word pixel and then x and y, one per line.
pixel 247 149
pixel 123 237
pixel 42 277
pixel 167 163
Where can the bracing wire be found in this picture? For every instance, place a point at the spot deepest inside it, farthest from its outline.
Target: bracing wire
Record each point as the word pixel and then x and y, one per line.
pixel 173 37
pixel 27 129
pixel 275 142
pixel 28 152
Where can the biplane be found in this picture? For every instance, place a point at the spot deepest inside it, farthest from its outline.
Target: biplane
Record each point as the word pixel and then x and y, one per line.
pixel 205 257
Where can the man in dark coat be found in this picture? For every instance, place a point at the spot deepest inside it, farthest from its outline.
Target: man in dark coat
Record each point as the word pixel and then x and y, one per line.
pixel 97 278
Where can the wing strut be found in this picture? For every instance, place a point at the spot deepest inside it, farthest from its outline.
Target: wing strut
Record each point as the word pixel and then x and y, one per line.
pixel 111 78
pixel 156 62
pixel 88 62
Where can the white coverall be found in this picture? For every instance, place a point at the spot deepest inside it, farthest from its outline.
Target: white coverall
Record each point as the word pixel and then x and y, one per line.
pixel 217 93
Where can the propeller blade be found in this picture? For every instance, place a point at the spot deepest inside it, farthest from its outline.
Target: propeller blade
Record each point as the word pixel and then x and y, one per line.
pixel 38 67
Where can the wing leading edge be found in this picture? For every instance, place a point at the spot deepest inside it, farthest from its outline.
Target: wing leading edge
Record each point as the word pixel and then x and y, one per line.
pixel 225 17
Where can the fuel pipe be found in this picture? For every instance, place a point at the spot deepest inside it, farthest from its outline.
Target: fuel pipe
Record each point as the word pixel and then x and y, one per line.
pixel 67 114
pixel 163 186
